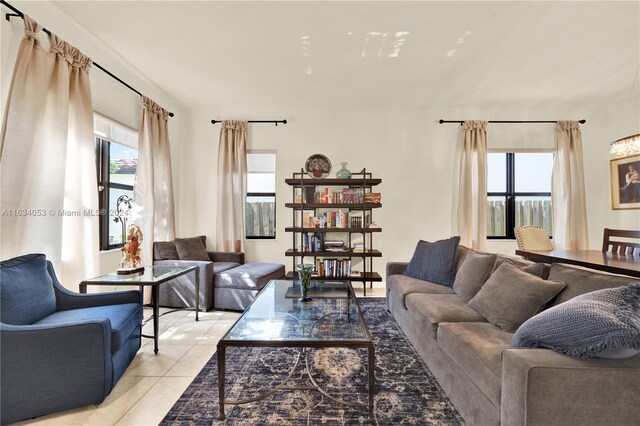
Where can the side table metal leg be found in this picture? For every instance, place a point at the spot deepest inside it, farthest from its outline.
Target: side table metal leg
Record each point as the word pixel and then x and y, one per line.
pixel 221 360
pixel 83 288
pixel 197 292
pixel 156 317
pixel 372 361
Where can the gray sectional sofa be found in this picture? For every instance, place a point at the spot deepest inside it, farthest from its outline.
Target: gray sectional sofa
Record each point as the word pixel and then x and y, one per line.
pixel 180 292
pixel 492 383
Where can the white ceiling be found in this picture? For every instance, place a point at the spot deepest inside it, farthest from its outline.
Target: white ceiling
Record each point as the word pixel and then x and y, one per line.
pixel 374 54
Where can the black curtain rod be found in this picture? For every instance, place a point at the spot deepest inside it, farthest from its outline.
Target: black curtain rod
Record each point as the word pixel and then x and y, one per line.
pixel 256 121
pixel 19 14
pixel 508 121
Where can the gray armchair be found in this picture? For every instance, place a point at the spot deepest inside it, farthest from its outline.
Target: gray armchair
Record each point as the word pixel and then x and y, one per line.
pixel 59 349
pixel 180 292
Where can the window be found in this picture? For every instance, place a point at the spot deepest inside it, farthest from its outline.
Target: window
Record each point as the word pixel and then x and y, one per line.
pixel 116 163
pixel 260 208
pixel 518 192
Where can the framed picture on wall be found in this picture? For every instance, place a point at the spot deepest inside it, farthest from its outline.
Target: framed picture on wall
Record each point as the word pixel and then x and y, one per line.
pixel 625 182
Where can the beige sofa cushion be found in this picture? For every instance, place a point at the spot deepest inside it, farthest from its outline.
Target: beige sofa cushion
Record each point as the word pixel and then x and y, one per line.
pixel 477 349
pixel 439 308
pixel 400 286
pixel 581 280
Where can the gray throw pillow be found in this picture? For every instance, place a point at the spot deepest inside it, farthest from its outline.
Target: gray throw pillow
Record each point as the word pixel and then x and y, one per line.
pixel 191 249
pixel 603 324
pixel 472 274
pixel 435 262
pixel 511 296
pixel 165 250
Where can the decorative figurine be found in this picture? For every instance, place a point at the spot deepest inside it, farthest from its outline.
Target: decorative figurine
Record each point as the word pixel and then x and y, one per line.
pixel 130 262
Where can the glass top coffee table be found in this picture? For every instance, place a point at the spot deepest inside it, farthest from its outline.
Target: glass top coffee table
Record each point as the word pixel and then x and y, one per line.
pixel 152 276
pixel 277 318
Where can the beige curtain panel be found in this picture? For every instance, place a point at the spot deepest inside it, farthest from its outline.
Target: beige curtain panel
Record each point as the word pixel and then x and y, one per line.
pixel 568 197
pixel 472 189
pixel 153 187
pixel 232 186
pixel 48 161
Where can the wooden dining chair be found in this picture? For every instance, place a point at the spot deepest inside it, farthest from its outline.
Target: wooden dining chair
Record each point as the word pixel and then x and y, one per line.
pixel 621 247
pixel 533 238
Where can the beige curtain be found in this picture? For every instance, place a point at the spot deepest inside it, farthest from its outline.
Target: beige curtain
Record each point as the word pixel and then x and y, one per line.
pixel 232 186
pixel 472 190
pixel 153 187
pixel 567 189
pixel 48 188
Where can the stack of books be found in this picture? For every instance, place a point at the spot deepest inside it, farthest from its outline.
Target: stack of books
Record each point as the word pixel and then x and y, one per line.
pixel 358 247
pixel 334 245
pixel 372 197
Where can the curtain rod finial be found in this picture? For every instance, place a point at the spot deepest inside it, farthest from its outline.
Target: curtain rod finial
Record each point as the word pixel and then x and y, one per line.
pixel 582 121
pixel 441 121
pixel 284 121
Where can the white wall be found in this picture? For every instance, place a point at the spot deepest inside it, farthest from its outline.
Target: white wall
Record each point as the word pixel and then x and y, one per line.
pixel 109 97
pixel 414 155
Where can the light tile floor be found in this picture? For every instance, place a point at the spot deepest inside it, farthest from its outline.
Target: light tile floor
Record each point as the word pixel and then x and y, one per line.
pixel 153 383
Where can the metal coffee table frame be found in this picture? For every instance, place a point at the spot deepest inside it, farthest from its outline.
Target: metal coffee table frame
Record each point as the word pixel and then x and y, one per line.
pixel 303 346
pixel 113 279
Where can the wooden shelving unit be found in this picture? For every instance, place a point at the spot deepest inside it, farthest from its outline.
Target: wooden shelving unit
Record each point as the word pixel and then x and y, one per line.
pixel 300 184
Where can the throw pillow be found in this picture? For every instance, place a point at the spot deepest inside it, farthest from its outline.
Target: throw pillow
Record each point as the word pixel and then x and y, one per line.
pixel 165 250
pixel 537 269
pixel 472 274
pixel 435 262
pixel 191 249
pixel 603 324
pixel 511 296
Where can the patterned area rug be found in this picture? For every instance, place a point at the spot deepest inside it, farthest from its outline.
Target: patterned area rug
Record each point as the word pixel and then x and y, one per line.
pixel 406 391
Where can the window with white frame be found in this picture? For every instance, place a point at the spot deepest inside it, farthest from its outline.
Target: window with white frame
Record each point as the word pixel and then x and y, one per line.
pixel 116 164
pixel 260 207
pixel 518 192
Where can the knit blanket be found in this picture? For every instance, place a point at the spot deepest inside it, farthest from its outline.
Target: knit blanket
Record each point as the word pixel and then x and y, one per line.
pixel 603 323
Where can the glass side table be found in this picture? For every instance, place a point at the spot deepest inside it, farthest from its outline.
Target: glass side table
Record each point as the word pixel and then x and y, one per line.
pixel 153 276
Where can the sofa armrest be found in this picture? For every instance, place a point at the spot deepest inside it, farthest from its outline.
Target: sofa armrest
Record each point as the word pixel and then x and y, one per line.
pixel 205 269
pixel 394 268
pixel 53 367
pixel 219 256
pixel 66 300
pixel 540 386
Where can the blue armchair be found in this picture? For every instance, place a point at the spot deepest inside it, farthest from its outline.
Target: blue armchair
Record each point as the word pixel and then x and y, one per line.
pixel 59 349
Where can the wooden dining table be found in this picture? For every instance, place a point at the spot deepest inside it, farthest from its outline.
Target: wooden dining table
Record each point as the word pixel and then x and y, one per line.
pixel 614 263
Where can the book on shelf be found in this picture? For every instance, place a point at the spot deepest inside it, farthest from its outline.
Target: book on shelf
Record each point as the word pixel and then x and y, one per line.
pixel 334 245
pixel 344 196
pixel 334 268
pixel 310 242
pixel 372 197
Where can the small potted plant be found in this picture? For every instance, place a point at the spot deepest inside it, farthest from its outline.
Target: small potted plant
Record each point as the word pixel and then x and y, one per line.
pixel 304 273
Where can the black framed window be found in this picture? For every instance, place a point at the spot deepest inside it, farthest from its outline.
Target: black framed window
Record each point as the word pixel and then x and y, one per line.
pixel 518 192
pixel 116 165
pixel 260 207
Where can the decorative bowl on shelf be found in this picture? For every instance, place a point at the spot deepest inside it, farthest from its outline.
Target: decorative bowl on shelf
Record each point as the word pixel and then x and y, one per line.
pixel 318 166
